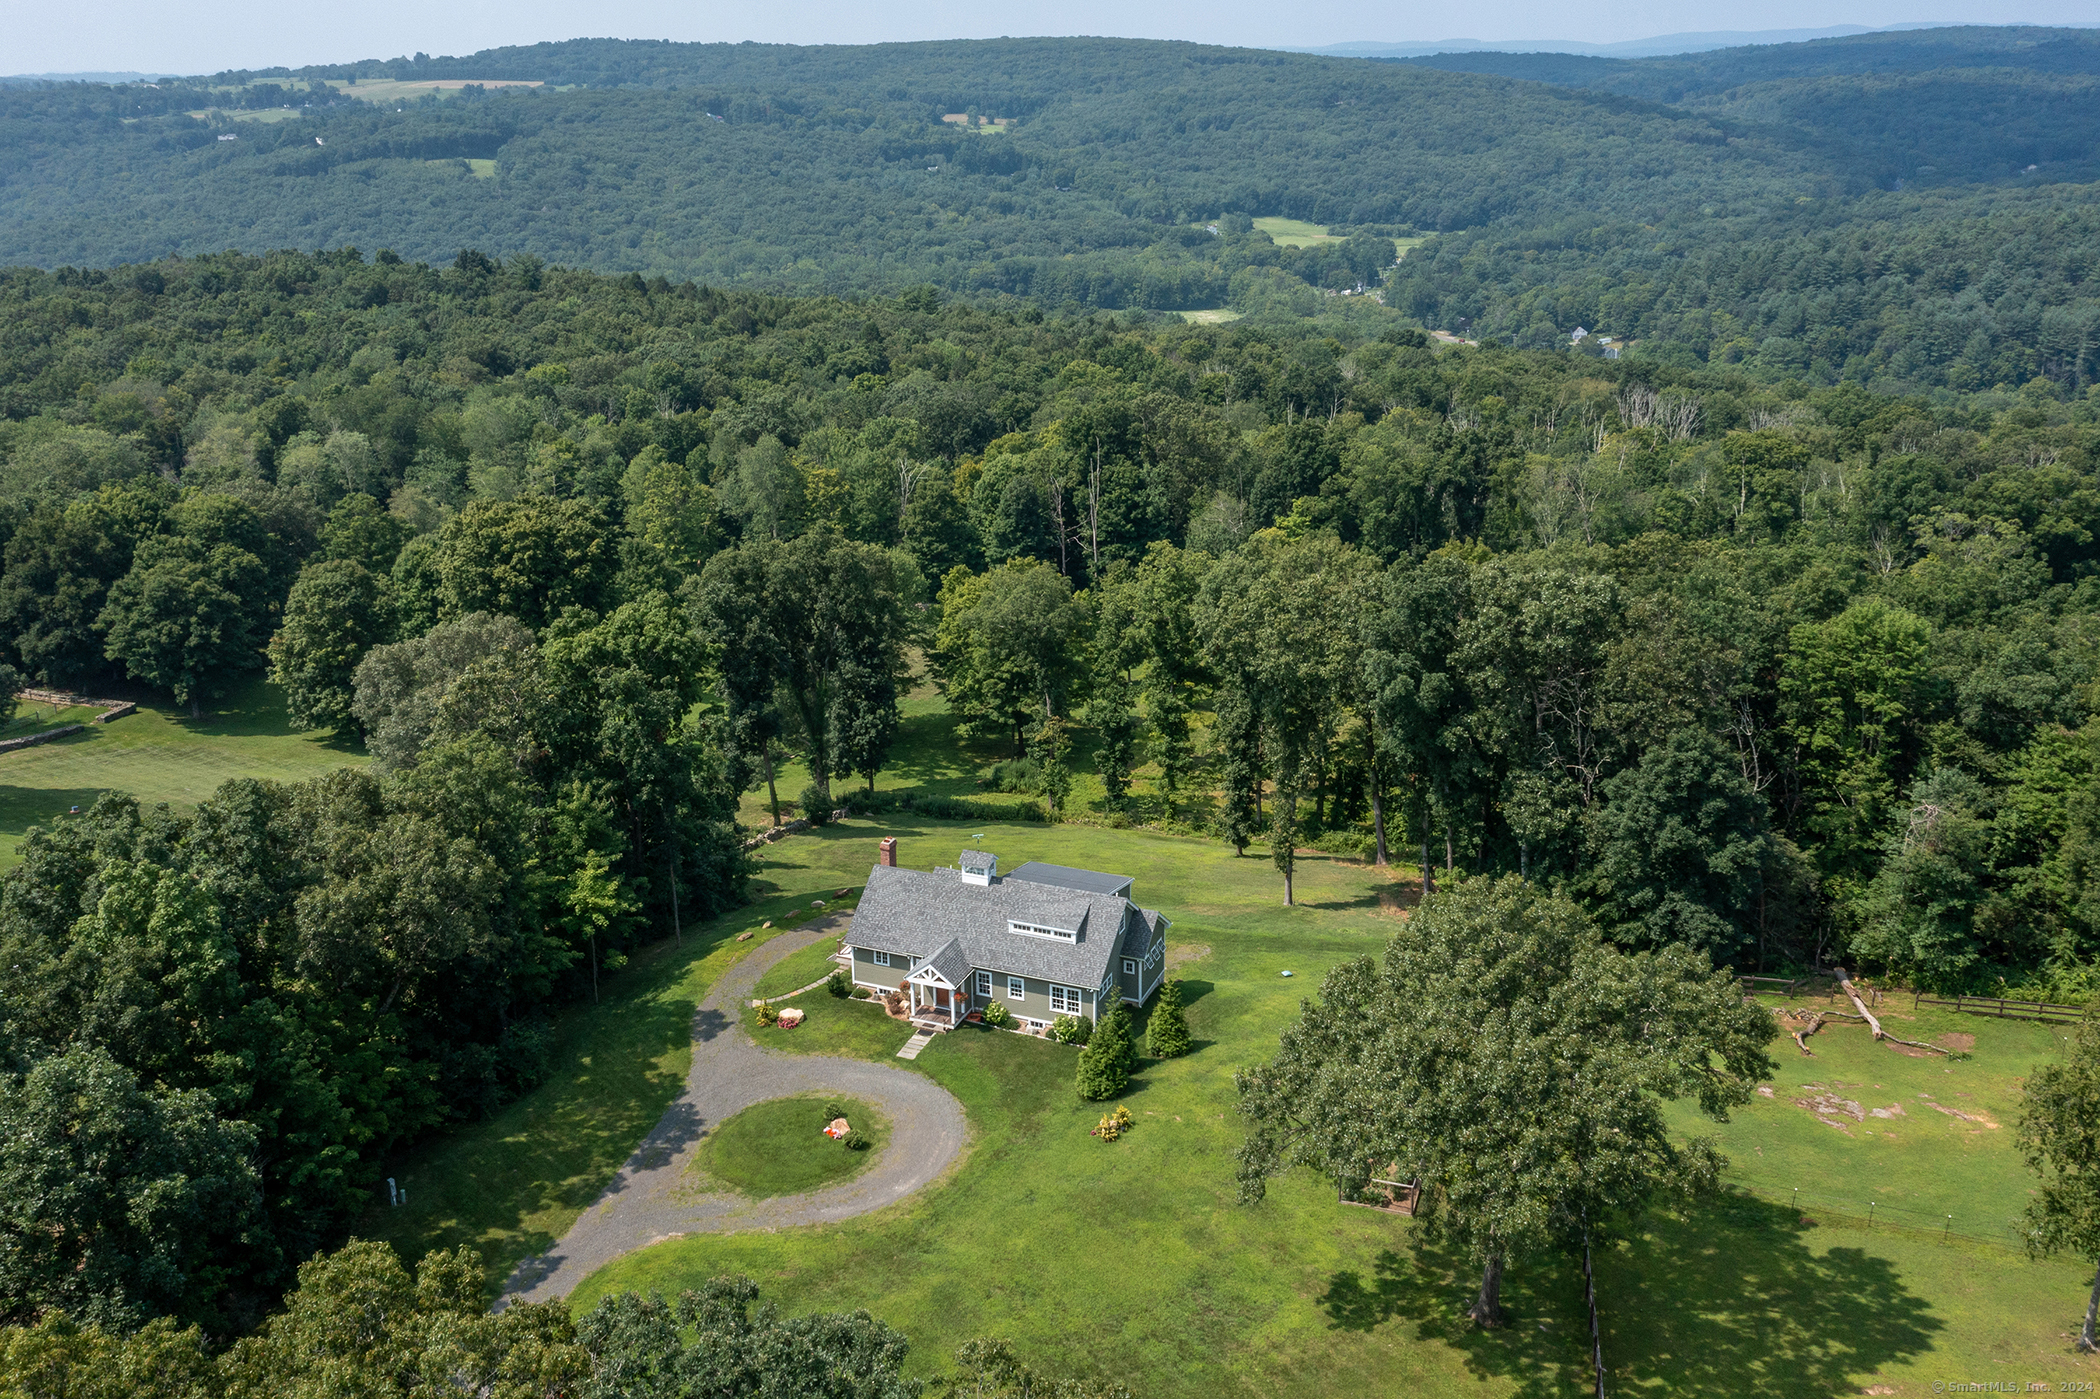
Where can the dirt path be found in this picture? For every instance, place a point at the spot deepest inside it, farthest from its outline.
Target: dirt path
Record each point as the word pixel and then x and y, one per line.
pixel 652 1199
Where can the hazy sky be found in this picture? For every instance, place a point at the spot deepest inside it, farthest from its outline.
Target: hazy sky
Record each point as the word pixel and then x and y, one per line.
pixel 154 35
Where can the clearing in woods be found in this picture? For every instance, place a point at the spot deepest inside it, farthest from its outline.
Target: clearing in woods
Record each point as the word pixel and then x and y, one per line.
pixel 158 754
pixel 1296 233
pixel 388 90
pixel 1299 1295
pixel 262 114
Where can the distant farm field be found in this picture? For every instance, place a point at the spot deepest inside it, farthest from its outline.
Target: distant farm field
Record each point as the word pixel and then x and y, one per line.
pixel 1217 316
pixel 387 90
pixel 158 754
pixel 263 114
pixel 1296 233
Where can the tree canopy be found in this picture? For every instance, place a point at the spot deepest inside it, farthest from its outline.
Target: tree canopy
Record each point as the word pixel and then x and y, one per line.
pixel 1514 1064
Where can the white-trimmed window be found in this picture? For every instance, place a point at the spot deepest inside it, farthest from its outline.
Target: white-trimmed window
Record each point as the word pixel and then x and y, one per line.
pixel 1041 930
pixel 1016 988
pixel 882 959
pixel 984 984
pixel 1130 966
pixel 1064 1000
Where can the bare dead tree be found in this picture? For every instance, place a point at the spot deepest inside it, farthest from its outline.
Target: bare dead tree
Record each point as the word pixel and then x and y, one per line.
pixel 1093 511
pixel 909 478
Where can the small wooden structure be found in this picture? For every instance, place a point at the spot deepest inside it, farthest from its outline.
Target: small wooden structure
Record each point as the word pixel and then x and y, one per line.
pixel 1388 1193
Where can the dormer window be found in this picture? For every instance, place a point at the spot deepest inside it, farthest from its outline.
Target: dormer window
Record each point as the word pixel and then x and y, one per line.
pixel 977 867
pixel 1041 930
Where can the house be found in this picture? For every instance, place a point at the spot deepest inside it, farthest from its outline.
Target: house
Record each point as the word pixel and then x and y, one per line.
pixel 1046 940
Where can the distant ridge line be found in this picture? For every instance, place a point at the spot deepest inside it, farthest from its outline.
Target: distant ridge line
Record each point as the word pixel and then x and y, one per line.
pixel 1660 46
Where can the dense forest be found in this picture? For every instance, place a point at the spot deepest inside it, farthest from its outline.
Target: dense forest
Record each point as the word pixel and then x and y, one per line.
pixel 1767 640
pixel 1908 209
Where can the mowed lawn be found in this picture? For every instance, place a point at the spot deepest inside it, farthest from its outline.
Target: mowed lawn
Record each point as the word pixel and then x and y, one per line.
pixel 1135 1259
pixel 160 754
pixel 514 1183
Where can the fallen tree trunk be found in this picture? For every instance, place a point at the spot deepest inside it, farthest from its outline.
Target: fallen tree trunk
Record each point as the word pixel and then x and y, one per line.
pixel 1815 1023
pixel 1860 1005
pixel 1868 1016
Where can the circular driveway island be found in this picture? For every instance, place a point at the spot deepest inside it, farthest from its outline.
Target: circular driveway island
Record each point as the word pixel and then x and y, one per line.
pixel 654 1197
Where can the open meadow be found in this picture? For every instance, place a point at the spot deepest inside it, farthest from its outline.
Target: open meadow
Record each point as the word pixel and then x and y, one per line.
pixel 383 90
pixel 157 754
pixel 1133 1259
pixel 1296 233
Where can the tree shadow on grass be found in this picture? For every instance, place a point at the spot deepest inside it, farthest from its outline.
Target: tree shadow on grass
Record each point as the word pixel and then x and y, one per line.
pixel 23 807
pixel 1731 1300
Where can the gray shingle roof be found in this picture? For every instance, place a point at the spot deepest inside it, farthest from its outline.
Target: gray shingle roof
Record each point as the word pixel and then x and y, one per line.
pixel 1065 877
pixel 951 962
pixel 920 913
pixel 976 860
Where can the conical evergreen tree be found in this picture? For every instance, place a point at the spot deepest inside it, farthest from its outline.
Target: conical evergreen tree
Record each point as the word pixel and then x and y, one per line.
pixel 1105 1063
pixel 1168 1034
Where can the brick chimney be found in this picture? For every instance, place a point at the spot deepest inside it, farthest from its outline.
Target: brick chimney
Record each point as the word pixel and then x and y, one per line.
pixel 889 851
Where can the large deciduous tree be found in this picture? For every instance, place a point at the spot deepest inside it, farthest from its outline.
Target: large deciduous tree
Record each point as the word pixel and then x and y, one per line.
pixel 528 559
pixel 1281 624
pixel 1851 690
pixel 1009 645
pixel 118 1202
pixel 188 618
pixel 1682 846
pixel 335 614
pixel 1515 1064
pixel 818 622
pixel 2060 1134
pixel 719 1340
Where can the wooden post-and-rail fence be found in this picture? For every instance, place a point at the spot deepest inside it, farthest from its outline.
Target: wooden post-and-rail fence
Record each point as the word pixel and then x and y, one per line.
pixel 2004 1008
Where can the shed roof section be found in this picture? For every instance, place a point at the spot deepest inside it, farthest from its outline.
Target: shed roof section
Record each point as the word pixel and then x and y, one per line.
pixel 920 913
pixel 1065 877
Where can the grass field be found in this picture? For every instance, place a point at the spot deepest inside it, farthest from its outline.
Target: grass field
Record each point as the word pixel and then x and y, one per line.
pixel 1141 1242
pixel 34 718
pixel 514 1183
pixel 1213 316
pixel 387 90
pixel 799 969
pixel 160 754
pixel 1133 1259
pixel 262 114
pixel 779 1147
pixel 1296 233
pixel 1917 1139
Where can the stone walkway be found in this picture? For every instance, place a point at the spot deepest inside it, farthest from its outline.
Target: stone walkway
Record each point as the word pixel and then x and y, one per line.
pixel 652 1199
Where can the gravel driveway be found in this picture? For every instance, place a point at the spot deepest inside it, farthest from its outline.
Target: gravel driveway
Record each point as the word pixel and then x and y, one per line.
pixel 652 1199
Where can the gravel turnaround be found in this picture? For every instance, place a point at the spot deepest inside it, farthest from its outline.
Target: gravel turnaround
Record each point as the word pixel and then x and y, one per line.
pixel 652 1198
